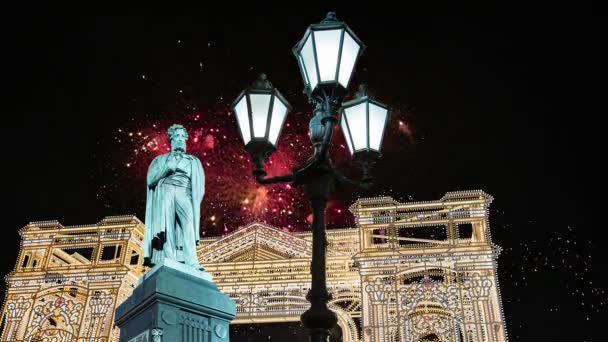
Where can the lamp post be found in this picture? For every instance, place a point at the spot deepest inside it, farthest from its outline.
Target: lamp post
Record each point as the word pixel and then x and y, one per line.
pixel 327 55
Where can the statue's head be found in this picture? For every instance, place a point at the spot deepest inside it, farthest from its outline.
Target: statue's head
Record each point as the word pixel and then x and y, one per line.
pixel 177 137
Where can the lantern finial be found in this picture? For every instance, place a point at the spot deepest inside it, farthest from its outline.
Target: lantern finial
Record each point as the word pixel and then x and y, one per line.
pixel 262 82
pixel 330 18
pixel 362 92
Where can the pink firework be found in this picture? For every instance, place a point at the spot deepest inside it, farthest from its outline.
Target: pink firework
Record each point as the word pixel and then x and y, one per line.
pixel 232 197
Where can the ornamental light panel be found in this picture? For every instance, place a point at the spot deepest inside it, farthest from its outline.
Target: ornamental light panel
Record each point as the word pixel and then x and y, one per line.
pixel 327 56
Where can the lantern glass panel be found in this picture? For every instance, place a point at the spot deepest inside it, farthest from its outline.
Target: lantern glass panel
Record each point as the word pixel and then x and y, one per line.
pixel 377 120
pixel 242 117
pixel 327 44
pixel 350 51
pixel 346 133
pixel 357 122
pixel 310 63
pixel 279 111
pixel 260 104
pixel 305 76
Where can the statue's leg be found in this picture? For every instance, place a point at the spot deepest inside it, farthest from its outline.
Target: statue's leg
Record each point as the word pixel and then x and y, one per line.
pixel 185 214
pixel 179 237
pixel 169 202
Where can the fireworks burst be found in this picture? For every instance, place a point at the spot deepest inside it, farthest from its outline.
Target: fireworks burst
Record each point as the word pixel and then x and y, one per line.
pixel 232 197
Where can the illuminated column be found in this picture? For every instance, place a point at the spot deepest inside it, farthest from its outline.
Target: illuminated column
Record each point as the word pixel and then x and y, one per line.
pixel 379 293
pixel 15 310
pixel 479 289
pixel 99 304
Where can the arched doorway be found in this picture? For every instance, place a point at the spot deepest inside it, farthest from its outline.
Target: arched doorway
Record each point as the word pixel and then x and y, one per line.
pixel 269 308
pixel 56 314
pixel 429 338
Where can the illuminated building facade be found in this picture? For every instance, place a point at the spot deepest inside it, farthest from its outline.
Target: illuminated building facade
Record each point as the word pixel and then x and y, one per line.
pixel 68 280
pixel 407 272
pixel 428 270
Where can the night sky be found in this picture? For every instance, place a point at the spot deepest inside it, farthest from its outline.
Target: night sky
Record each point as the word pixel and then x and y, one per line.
pixel 478 104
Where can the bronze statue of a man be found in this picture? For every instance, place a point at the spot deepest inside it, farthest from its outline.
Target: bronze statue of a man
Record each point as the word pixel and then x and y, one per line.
pixel 176 186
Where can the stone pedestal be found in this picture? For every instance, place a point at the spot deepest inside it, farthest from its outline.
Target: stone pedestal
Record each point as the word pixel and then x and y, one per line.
pixel 172 303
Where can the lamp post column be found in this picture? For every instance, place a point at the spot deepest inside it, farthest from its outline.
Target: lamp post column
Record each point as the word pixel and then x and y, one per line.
pixel 319 319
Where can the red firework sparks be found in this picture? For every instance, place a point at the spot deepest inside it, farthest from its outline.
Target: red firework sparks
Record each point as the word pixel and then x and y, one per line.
pixel 232 197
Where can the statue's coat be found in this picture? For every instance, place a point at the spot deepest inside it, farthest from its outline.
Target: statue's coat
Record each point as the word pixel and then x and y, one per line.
pixel 155 215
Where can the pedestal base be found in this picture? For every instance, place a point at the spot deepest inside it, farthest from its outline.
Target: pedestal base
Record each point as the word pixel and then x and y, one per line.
pixel 174 302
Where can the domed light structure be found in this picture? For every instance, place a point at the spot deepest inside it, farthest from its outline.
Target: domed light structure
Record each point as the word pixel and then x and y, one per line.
pixel 327 56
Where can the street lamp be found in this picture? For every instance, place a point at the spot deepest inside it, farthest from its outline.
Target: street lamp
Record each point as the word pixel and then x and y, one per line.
pixel 363 121
pixel 327 56
pixel 260 112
